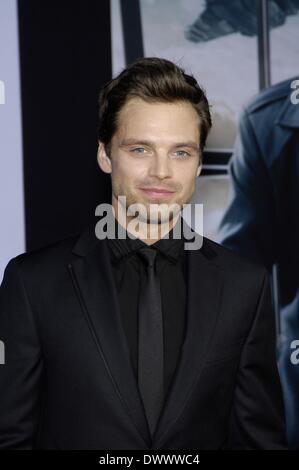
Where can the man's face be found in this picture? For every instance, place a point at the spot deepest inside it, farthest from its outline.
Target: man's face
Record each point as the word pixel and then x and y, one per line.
pixel 156 145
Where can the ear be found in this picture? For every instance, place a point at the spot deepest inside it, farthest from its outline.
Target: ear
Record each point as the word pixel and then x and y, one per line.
pixel 103 159
pixel 199 169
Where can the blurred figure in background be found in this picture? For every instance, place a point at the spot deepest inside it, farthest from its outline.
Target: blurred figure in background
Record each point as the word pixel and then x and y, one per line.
pixel 261 220
pixel 220 18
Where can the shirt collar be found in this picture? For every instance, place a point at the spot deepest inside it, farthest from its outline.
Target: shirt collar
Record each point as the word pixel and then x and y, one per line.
pixel 124 247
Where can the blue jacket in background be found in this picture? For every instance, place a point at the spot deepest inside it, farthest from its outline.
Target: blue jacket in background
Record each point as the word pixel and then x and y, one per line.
pixel 261 221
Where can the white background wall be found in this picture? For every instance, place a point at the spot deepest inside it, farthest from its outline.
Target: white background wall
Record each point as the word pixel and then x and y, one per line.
pixel 12 229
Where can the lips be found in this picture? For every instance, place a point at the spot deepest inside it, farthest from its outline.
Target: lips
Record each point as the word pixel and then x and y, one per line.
pixel 157 192
pixel 157 189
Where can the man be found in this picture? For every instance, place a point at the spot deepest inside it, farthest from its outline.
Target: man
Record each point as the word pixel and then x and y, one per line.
pixel 140 342
pixel 261 220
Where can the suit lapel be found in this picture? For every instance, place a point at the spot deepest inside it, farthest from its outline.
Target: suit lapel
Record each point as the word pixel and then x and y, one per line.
pixel 204 288
pixel 93 281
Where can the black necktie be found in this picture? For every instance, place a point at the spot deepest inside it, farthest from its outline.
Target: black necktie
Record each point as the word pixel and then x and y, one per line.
pixel 150 340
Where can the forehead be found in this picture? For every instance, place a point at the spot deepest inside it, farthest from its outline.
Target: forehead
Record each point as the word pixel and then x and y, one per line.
pixel 175 120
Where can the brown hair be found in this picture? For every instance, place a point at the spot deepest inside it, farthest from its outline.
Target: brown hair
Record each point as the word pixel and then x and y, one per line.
pixel 151 79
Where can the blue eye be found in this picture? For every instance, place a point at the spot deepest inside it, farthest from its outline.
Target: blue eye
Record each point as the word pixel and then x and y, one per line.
pixel 183 151
pixel 136 150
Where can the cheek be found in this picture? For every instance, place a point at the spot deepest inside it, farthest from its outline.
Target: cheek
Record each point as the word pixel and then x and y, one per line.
pixel 187 178
pixel 121 173
pixel 128 178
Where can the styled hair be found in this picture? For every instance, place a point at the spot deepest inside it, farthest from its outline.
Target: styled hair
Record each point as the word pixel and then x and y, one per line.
pixel 153 80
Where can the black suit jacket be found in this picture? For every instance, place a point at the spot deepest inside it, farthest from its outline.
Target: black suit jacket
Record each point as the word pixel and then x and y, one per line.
pixel 67 381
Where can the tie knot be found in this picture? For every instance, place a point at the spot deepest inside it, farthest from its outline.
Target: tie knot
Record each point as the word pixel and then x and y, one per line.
pixel 148 255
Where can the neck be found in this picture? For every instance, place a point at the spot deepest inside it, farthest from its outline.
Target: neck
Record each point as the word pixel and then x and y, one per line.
pixel 149 233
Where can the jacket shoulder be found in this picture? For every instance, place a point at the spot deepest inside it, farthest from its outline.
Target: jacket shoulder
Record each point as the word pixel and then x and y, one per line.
pixel 270 95
pixel 232 262
pixel 47 258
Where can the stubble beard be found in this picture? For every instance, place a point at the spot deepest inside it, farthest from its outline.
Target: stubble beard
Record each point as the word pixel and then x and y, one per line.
pixel 152 217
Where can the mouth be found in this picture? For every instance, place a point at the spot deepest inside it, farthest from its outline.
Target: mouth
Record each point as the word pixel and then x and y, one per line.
pixel 157 193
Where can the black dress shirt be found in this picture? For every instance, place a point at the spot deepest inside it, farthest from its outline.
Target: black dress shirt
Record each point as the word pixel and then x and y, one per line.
pixel 172 271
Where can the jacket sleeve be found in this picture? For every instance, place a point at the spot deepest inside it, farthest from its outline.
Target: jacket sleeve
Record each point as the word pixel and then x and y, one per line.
pixel 249 223
pixel 258 416
pixel 22 368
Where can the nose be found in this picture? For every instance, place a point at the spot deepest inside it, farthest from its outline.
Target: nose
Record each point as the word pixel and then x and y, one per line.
pixel 160 166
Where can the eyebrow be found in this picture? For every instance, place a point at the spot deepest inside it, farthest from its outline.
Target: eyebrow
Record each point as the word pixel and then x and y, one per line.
pixel 132 141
